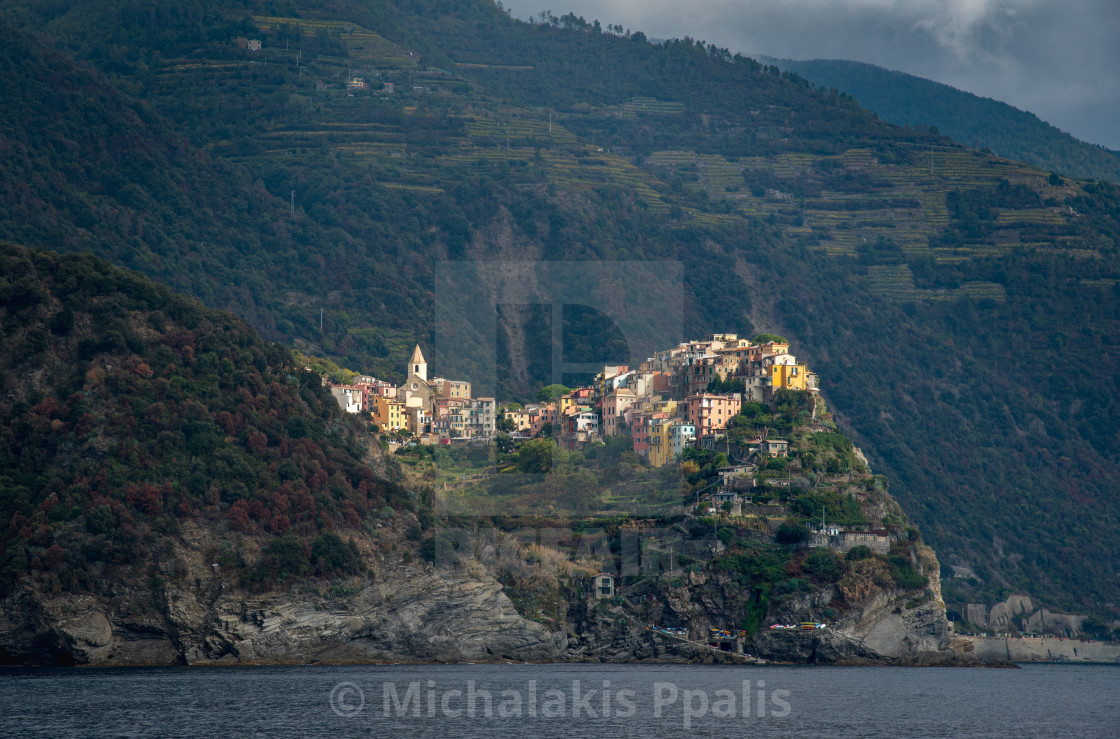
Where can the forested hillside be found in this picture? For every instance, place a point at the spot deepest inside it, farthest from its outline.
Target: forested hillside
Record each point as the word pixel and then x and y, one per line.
pixel 127 410
pixel 962 308
pixel 979 122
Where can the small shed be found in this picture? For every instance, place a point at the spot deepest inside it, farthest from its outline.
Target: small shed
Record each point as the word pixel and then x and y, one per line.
pixel 603 585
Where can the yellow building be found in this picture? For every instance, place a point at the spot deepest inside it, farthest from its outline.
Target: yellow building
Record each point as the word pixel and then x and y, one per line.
pixel 520 419
pixel 660 442
pixel 788 376
pixel 667 439
pixel 565 402
pixel 388 413
pixel 453 388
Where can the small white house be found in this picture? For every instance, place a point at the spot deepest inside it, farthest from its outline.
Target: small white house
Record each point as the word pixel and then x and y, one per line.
pixel 349 399
pixel 603 585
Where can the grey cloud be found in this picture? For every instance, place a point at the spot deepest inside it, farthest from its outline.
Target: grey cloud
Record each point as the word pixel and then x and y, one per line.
pixel 1058 60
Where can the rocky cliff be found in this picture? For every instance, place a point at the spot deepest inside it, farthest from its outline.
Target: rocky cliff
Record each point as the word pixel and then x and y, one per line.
pixel 407 610
pixel 885 625
pixel 174 490
pixel 401 612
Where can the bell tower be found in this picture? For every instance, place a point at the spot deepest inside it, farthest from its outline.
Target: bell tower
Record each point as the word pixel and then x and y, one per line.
pixel 417 365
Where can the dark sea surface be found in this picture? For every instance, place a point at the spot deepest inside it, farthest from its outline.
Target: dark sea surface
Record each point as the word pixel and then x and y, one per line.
pixel 570 701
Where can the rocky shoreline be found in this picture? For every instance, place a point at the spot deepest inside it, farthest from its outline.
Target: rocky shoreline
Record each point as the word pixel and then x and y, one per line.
pixel 404 609
pixel 418 614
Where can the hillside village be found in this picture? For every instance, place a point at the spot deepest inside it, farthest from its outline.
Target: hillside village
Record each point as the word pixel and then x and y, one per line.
pixel 681 397
pixel 724 436
pixel 690 404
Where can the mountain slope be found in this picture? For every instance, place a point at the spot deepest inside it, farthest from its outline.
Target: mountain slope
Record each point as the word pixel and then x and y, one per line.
pixel 907 100
pixel 962 307
pixel 88 167
pixel 129 411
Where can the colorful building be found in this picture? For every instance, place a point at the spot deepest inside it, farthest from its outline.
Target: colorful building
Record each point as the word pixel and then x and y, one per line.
pixel 452 388
pixel 708 412
pixel 615 405
pixel 775 448
pixel 788 377
pixel 480 417
pixel 388 414
pixel 681 436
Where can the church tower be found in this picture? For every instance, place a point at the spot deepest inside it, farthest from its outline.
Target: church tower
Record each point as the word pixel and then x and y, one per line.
pixel 417 365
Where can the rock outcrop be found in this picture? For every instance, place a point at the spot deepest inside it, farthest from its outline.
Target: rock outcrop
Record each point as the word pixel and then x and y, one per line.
pixel 405 610
pixel 896 624
pixel 415 614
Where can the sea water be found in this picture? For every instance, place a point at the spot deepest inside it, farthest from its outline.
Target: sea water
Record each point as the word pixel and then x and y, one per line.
pixel 569 701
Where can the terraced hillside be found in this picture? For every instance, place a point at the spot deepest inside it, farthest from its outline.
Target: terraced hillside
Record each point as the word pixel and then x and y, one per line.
pixel 980 122
pixel 962 306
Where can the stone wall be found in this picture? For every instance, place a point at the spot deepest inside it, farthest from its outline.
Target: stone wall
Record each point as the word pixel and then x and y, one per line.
pixel 977 614
pixel 1042 649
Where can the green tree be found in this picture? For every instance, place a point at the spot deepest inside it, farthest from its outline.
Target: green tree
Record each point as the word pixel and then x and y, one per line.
pixel 331 554
pixel 823 564
pixel 535 456
pixel 549 393
pixel 286 556
pixel 792 533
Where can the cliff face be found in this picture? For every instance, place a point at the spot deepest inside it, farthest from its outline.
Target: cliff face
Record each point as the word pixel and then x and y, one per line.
pixel 171 487
pixel 888 626
pixel 408 611
pixel 401 609
pixel 884 625
pixel 899 624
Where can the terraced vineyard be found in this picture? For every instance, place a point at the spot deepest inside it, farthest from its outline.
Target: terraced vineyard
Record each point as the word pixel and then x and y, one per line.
pixel 901 202
pixel 907 207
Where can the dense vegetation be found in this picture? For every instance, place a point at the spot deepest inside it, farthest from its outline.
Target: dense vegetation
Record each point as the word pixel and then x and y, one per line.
pixel 907 100
pixel 961 308
pixel 128 411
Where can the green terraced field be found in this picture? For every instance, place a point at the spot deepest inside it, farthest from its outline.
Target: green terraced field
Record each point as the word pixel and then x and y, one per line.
pixel 838 204
pixel 906 205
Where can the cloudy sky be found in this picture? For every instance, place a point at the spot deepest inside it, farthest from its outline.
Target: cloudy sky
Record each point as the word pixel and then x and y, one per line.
pixel 1059 59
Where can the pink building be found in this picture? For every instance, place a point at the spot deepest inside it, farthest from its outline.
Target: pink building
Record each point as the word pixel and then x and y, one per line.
pixel 710 413
pixel 642 425
pixel 372 388
pixel 538 417
pixel 614 406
